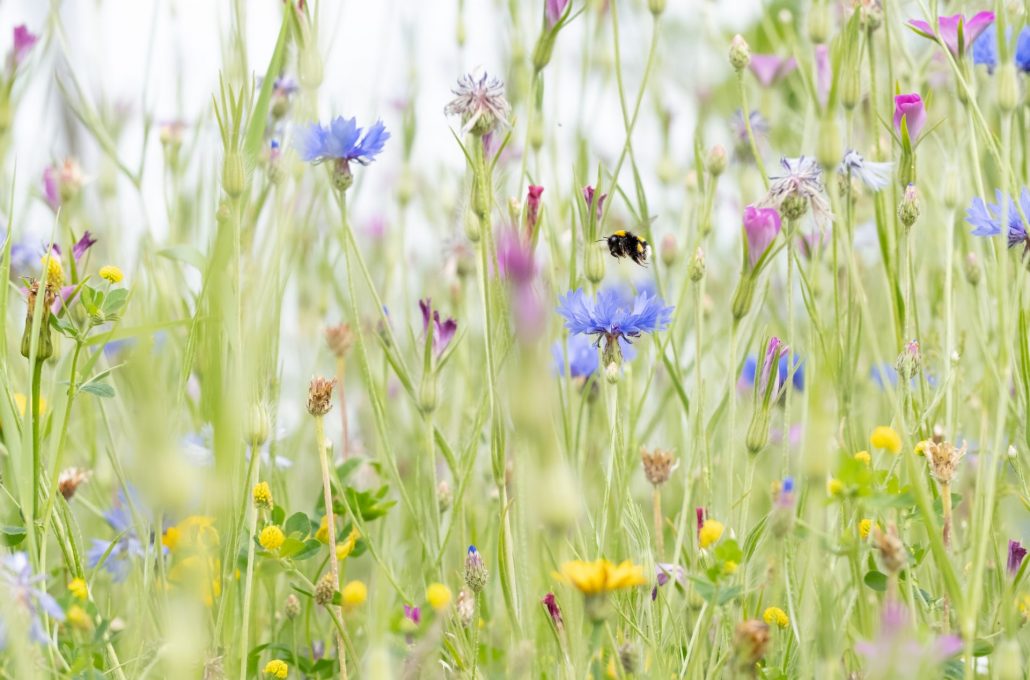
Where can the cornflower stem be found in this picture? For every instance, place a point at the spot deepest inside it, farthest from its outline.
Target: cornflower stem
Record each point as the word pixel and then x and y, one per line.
pixel 791 232
pixel 248 581
pixel 341 371
pixel 745 111
pixel 949 324
pixel 330 522
pixel 699 410
pixel 37 481
pixel 945 488
pixel 731 370
pixel 475 633
pixel 659 534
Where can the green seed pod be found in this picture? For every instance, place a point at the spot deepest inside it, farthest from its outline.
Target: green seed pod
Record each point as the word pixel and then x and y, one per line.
pixel 233 174
pixel 594 264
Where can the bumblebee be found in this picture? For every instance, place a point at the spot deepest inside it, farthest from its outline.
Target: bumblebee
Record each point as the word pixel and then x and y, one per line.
pixel 624 243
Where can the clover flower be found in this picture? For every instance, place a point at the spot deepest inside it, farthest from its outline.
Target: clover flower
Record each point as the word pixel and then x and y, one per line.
pixel 354 594
pixel 612 318
pixel 873 174
pixel 710 533
pixel 955 31
pixel 18 584
pixel 438 596
pixel 986 218
pixel 479 100
pixel 797 190
pixel 775 615
pixel 886 438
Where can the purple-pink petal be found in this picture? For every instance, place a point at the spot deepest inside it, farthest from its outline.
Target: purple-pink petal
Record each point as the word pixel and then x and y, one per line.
pixel 761 226
pixel 24 40
pixel 910 108
pixel 768 68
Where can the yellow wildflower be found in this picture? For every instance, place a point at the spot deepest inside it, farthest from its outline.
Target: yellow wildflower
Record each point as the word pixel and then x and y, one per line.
pixel 886 438
pixel 920 448
pixel 322 535
pixel 354 594
pixel 111 274
pixel 277 668
pixel 271 537
pixel 775 615
pixel 601 576
pixel 263 496
pixel 438 595
pixel 79 619
pixel 711 532
pixel 834 487
pixel 864 527
pixel 54 270
pixel 21 402
pixel 77 587
pixel 343 550
pixel 730 567
pixel 196 532
pixel 864 457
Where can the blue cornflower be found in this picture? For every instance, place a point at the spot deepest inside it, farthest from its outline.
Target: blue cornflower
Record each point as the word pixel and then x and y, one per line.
pixel 19 586
pixel 610 317
pixel 341 140
pixel 583 359
pixel 126 546
pixel 1023 50
pixel 986 218
pixel 985 49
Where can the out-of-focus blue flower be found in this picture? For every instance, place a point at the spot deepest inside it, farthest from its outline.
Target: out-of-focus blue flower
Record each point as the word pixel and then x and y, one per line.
pixel 874 175
pixel 125 546
pixel 1023 50
pixel 583 359
pixel 986 218
pixel 609 316
pixel 342 140
pixel 748 372
pixel 985 49
pixel 19 586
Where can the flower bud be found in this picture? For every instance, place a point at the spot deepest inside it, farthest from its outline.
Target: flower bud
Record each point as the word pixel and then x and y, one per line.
pixel 465 606
pixel 292 606
pixel 669 250
pixel 325 589
pixel 819 23
pixel 1008 87
pixel 794 207
pixel 444 496
pixel 743 296
pixel 611 373
pixel 233 174
pixel 971 267
pixel 475 570
pixel 716 160
pixel 851 89
pixel 656 6
pixel 340 175
pixel 428 393
pixel 259 424
pixel 908 210
pixel 696 268
pixel 472 228
pixel 740 53
pixel 594 264
pixel 45 343
pixel 1009 659
pixel 309 65
pixel 828 150
pixel 951 195
pixel 758 431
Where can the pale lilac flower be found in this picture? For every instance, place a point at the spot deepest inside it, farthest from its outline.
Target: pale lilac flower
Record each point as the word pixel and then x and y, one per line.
pixel 18 586
pixel 665 572
pixel 768 68
pixel 804 180
pixel 588 195
pixel 823 73
pixel 955 31
pixel 899 652
pixel 443 331
pixel 553 10
pixel 761 226
pixel 515 260
pixel 83 245
pixel 1016 554
pixel 873 174
pixel 480 102
pixel 413 614
pixel 910 108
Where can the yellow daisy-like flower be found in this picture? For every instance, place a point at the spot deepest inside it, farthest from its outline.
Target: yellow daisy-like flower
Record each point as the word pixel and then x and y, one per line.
pixel 277 668
pixel 886 438
pixel 834 487
pixel 77 587
pixel 79 619
pixel 271 537
pixel 111 274
pixel 262 495
pixel 54 270
pixel 343 550
pixel 864 527
pixel 601 576
pixel 776 616
pixel 21 402
pixel 730 567
pixel 711 532
pixel 864 457
pixel 354 594
pixel 196 532
pixel 438 596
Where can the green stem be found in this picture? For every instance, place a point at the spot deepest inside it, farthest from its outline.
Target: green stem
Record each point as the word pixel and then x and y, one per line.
pixel 252 513
pixel 745 111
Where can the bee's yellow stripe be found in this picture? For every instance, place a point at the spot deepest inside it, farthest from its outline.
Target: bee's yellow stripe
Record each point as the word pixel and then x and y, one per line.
pixel 620 232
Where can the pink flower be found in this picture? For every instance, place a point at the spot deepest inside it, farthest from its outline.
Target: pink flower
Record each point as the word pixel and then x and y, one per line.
pixel 551 605
pixel 24 40
pixel 588 196
pixel 823 74
pixel 553 9
pixel 909 107
pixel 768 68
pixel 533 207
pixel 515 258
pixel 761 225
pixel 948 29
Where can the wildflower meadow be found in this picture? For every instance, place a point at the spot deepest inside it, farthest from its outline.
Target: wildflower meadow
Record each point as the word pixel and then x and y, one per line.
pixel 515 339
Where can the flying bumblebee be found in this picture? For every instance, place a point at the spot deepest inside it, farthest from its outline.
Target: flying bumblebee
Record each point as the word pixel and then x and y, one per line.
pixel 624 243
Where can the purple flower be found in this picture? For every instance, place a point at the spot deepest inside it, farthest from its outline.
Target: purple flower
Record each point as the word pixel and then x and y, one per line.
pixel 479 100
pixel 804 180
pixel 768 68
pixel 51 190
pixel 341 140
pixel 1023 50
pixel 898 652
pixel 665 572
pixel 909 107
pixel 750 369
pixel 533 207
pixel 785 496
pixel 986 218
pixel 83 245
pixel 443 331
pixel 588 196
pixel 24 40
pixel 823 72
pixel 1016 554
pixel 20 586
pixel 125 547
pixel 553 11
pixel 774 352
pixel 610 317
pixel 551 605
pixel 955 31
pixel 761 225
pixel 515 258
pixel 413 614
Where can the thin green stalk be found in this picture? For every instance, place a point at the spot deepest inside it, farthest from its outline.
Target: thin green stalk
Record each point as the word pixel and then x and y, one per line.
pixel 248 581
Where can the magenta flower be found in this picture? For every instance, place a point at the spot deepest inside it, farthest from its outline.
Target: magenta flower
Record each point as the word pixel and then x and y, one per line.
pixel 773 351
pixel 1016 554
pixel 588 196
pixel 551 605
pixel 24 40
pixel 553 9
pixel 761 225
pixel 769 68
pixel 83 245
pixel 51 191
pixel 909 107
pixel 413 614
pixel 533 207
pixel 443 331
pixel 699 512
pixel 515 258
pixel 955 31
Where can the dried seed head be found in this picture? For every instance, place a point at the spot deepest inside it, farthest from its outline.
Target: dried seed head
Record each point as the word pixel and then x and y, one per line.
pixel 943 458
pixel 658 465
pixel 292 606
pixel 325 589
pixel 320 396
pixel 340 339
pixel 69 480
pixel 750 641
pixel 892 550
pixel 465 605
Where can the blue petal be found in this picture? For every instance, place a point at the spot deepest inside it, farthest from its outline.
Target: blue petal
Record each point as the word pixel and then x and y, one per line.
pixel 343 135
pixel 1023 50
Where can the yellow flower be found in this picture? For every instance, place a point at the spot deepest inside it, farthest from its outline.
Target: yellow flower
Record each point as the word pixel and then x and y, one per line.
pixel 711 532
pixel 22 402
pixel 920 447
pixel 601 576
pixel 54 271
pixel 775 615
pixel 354 594
pixel 271 537
pixel 322 535
pixel 196 532
pixel 77 587
pixel 277 668
pixel 343 550
pixel 111 274
pixel 438 595
pixel 864 527
pixel 834 486
pixel 886 438
pixel 263 495
pixel 79 619
pixel 730 567
pixel 864 457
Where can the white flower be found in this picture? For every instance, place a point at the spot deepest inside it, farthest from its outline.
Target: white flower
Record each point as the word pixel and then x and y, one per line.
pixel 874 175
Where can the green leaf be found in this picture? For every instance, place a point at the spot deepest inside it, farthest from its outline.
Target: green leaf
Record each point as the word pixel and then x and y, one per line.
pixel 278 515
pixel 298 523
pixel 290 547
pixel 259 115
pixel 114 301
pixel 186 254
pixel 99 389
pixel 311 548
pixel 729 551
pixel 877 580
pixel 13 535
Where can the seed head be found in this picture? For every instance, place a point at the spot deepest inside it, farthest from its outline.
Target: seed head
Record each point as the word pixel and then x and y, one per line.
pixel 69 480
pixel 892 550
pixel 943 458
pixel 340 338
pixel 320 395
pixel 325 589
pixel 658 465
